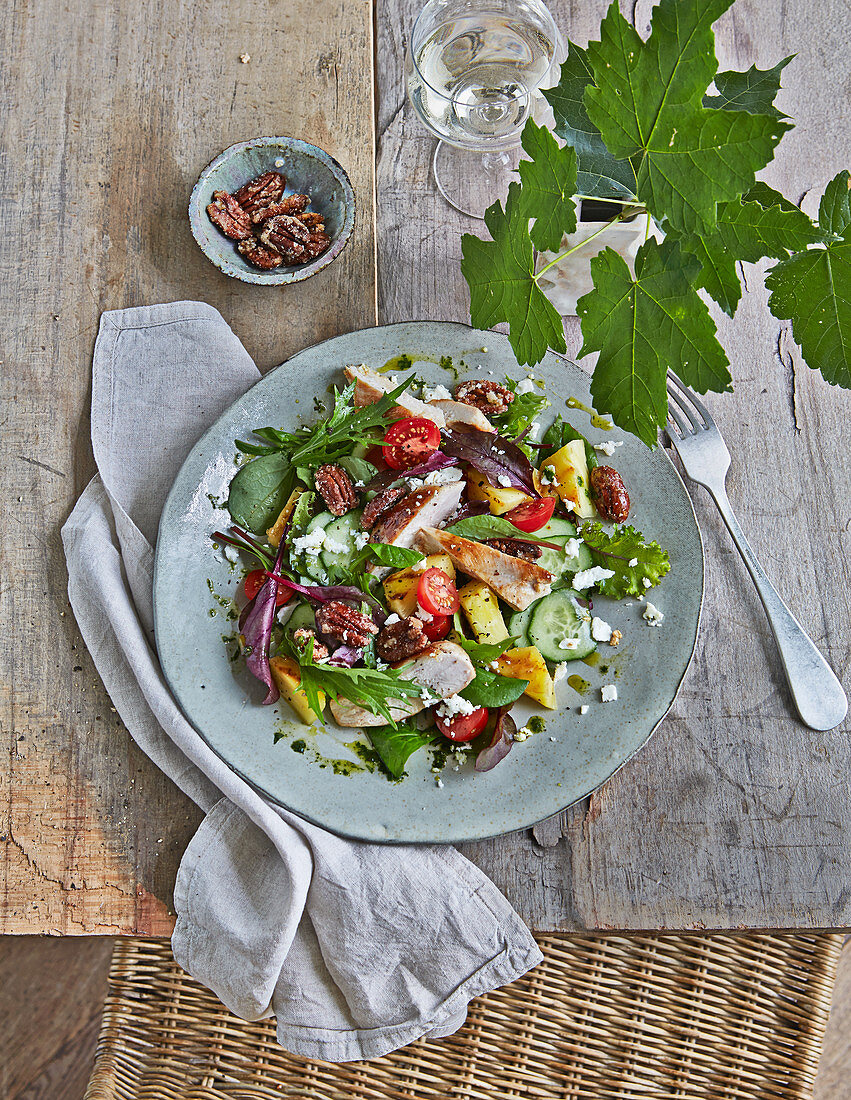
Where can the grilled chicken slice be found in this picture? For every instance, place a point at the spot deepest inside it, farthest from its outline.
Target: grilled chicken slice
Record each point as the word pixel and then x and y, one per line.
pixel 425 507
pixel 372 386
pixel 517 582
pixel 456 412
pixel 444 669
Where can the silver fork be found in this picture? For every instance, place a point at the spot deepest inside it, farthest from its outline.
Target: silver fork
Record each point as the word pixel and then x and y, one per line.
pixel 817 693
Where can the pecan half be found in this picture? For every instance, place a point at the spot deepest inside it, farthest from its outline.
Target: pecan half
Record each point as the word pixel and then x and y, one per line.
pixel 400 640
pixel 488 397
pixel 338 620
pixel 227 215
pixel 379 504
pixel 335 487
pixel 609 493
pixel 261 191
pixel 258 255
pixel 288 236
pixel 312 220
pixel 302 638
pixel 317 244
pixel 291 204
pixel 517 548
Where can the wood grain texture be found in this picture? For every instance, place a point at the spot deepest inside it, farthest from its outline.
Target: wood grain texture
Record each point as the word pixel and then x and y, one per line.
pixel 108 114
pixel 734 815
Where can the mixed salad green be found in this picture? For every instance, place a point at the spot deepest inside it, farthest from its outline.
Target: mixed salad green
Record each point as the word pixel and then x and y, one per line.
pixel 420 559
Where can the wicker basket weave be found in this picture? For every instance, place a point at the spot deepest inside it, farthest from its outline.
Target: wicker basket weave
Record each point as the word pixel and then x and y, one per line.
pixel 602 1017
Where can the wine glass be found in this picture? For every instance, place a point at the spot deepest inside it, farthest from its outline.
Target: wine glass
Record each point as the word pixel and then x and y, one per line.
pixel 475 70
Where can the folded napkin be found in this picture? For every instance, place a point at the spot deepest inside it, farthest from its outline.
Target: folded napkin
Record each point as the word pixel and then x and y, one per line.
pixel 356 948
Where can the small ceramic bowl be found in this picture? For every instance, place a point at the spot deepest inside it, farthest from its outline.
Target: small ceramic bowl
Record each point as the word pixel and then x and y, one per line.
pixel 308 170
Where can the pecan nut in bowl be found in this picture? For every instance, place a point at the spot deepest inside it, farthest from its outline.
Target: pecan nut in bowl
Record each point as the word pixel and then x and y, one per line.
pixel 396 641
pixel 488 397
pixel 317 244
pixel 312 219
pixel 335 487
pixel 609 493
pixel 339 621
pixel 292 204
pixel 226 214
pixel 517 548
pixel 379 504
pixel 302 638
pixel 262 191
pixel 258 254
pixel 287 235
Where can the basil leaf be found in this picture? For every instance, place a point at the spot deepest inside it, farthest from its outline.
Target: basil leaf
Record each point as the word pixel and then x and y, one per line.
pixel 397 556
pixel 489 689
pixel 480 653
pixel 395 746
pixel 259 491
pixel 358 469
pixel 490 527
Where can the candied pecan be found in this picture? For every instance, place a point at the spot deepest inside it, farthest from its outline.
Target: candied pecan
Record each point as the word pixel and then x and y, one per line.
pixel 399 640
pixel 226 214
pixel 335 487
pixel 488 397
pixel 317 244
pixel 609 493
pixel 258 255
pixel 338 620
pixel 291 204
pixel 288 236
pixel 517 548
pixel 261 191
pixel 380 504
pixel 302 638
pixel 312 220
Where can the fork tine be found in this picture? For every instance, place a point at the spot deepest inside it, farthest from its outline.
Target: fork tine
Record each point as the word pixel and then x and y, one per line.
pixel 684 429
pixel 677 401
pixel 692 397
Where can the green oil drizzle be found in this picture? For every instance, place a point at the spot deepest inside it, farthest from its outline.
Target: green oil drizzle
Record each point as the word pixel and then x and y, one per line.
pixel 597 420
pixel 591 660
pixel 227 605
pixel 578 684
pixel 536 724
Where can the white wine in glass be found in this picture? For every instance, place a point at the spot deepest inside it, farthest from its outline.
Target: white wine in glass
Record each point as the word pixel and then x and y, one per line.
pixel 475 69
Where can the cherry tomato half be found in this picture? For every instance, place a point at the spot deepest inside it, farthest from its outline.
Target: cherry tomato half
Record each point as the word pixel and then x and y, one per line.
pixel 255 580
pixel 437 627
pixel 436 593
pixel 463 727
pixel 532 515
pixel 412 440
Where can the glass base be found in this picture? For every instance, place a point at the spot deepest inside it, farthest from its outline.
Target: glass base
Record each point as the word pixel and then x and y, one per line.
pixel 471 180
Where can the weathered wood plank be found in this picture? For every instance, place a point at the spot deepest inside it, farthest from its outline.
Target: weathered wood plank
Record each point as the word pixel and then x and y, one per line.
pixel 109 114
pixel 734 815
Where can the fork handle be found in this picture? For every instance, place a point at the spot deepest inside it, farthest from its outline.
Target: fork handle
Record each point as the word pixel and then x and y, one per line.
pixel 817 693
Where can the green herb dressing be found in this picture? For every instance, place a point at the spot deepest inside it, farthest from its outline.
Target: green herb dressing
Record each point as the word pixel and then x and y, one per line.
pixel 597 421
pixel 578 684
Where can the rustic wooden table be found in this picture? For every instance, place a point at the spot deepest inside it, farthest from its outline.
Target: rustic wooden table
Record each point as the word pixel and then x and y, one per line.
pixel 734 815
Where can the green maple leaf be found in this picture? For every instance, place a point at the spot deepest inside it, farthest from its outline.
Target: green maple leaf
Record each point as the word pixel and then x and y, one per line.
pixel 615 551
pixel 549 184
pixel 641 325
pixel 599 173
pixel 500 274
pixel 812 289
pixel 646 102
pixel 752 91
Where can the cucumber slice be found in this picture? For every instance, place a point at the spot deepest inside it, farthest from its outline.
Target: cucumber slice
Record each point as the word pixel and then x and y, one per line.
pixel 556 529
pixel 342 530
pixel 557 619
pixel 555 562
pixel 303 615
pixel 518 626
pixel 321 520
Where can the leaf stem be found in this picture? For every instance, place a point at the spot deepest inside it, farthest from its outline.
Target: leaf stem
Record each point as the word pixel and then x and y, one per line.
pixel 632 203
pixel 576 247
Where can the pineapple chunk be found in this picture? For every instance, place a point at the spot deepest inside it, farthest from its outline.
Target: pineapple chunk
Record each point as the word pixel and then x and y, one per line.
pixel 570 470
pixel 499 499
pixel 528 664
pixel 400 589
pixel 481 607
pixel 285 673
pixel 277 529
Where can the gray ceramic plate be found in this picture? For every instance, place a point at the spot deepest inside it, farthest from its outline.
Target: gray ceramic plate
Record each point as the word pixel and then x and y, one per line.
pixel 574 755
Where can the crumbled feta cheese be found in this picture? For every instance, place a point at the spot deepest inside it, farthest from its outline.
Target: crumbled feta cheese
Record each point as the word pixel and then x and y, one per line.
pixel 231 553
pixel 560 672
pixel 569 643
pixel 334 547
pixel 311 544
pixel 446 476
pixel 526 386
pixel 632 563
pixel 361 539
pixel 423 615
pixel 600 630
pixel 552 739
pixel 427 697
pixel 585 578
pixel 415 483
pixel 454 706
pixel 438 782
pixel 647 582
pixel 584 708
pixel 394 618
pixel 572 547
pixel 609 693
pixel 547 475
pixel 653 615
pixel 436 393
pixel 608 448
pixel 520 735
pixel 380 665
pixel 420 566
pixel 534 430
pixel 504 481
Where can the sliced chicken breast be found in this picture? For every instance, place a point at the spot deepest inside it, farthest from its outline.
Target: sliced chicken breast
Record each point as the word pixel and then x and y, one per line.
pixel 443 669
pixel 517 582
pixel 456 412
pixel 372 386
pixel 426 507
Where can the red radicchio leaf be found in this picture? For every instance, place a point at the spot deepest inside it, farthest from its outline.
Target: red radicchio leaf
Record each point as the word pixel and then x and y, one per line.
pixel 257 630
pixel 322 593
pixel 345 656
pixel 500 744
pixel 491 455
pixel 437 461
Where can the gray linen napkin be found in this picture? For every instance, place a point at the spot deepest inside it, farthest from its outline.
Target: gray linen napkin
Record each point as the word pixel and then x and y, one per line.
pixel 356 948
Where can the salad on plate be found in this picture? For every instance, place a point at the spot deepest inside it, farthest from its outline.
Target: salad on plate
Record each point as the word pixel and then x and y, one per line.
pixel 419 559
